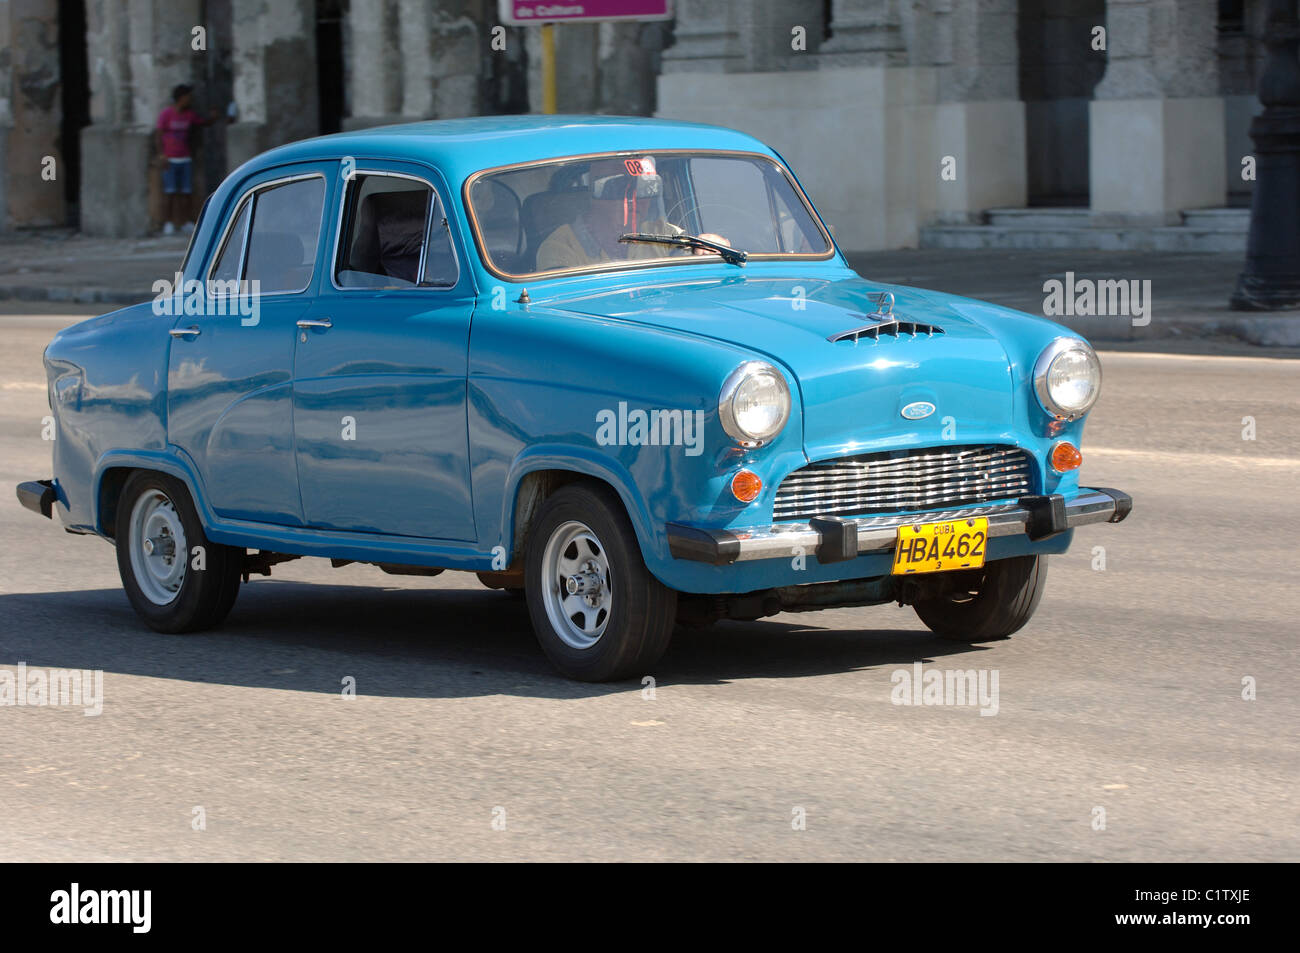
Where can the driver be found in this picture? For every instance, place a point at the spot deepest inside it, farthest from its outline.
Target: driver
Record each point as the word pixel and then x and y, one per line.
pixel 611 211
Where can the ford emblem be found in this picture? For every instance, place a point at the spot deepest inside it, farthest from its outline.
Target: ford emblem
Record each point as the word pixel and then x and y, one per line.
pixel 918 410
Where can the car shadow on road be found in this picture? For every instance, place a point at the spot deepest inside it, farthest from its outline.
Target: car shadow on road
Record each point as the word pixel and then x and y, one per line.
pixel 419 643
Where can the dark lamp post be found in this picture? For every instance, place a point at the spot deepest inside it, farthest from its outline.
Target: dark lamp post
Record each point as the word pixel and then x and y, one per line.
pixel 1271 280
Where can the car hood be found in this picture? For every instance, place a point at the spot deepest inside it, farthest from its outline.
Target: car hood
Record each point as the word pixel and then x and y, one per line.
pixel 853 393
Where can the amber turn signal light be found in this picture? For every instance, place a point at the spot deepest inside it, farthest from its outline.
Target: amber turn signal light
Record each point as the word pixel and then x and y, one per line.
pixel 1066 457
pixel 746 485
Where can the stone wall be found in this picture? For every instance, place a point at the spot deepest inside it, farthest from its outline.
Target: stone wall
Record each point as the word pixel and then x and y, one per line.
pixel 31 163
pixel 1000 93
pixel 912 112
pixel 603 68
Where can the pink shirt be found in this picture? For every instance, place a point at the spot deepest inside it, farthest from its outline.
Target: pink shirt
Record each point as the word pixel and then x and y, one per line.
pixel 175 127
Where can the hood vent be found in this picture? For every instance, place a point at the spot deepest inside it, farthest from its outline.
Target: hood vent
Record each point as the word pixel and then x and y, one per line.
pixel 890 327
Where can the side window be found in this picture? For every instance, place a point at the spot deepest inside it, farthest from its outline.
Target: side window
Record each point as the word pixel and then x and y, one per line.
pixel 285 230
pixel 440 269
pixel 394 235
pixel 273 240
pixel 227 267
pixel 194 232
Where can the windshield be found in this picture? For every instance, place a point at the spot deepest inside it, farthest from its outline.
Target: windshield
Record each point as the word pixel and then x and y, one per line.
pixel 570 214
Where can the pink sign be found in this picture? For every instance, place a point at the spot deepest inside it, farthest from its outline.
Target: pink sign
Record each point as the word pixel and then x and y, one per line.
pixel 526 12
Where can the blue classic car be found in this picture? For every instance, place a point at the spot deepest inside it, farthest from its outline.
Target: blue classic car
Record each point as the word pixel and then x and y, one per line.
pixel 615 366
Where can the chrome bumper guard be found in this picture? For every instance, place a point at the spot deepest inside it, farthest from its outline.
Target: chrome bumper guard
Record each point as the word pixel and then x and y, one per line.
pixel 38 496
pixel 834 539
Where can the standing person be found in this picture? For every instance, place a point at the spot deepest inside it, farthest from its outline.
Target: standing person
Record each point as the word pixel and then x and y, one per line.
pixel 172 139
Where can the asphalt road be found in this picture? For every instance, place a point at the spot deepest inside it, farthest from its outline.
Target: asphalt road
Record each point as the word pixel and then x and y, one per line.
pixel 1123 694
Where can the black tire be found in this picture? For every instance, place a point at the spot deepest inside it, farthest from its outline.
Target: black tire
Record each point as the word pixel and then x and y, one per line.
pixel 205 595
pixel 639 624
pixel 992 604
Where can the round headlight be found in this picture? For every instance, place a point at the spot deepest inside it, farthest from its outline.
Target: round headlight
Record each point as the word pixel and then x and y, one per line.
pixel 754 404
pixel 1067 378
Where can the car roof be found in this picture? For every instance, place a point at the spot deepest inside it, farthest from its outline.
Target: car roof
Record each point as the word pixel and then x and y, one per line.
pixel 461 147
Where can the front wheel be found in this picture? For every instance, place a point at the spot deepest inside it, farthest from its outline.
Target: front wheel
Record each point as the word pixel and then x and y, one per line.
pixel 599 614
pixel 987 604
pixel 176 580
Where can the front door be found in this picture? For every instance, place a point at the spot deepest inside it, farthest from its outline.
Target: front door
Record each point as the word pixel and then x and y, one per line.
pixel 230 371
pixel 380 369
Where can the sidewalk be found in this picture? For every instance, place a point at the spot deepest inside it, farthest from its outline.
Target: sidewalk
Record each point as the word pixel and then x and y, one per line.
pixel 1189 291
pixel 60 265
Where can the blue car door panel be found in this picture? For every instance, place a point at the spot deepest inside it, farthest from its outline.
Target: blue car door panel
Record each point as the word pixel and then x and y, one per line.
pixel 380 366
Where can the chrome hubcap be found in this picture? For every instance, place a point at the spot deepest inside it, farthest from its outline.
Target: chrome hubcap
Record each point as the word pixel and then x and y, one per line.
pixel 156 542
pixel 576 583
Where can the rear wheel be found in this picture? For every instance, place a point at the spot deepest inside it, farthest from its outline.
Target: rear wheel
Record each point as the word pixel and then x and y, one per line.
pixel 599 614
pixel 175 579
pixel 987 604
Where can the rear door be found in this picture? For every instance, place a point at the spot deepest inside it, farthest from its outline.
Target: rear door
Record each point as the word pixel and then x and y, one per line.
pixel 230 373
pixel 380 368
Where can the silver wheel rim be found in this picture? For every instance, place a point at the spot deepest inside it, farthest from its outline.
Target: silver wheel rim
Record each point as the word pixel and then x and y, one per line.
pixel 576 585
pixel 156 542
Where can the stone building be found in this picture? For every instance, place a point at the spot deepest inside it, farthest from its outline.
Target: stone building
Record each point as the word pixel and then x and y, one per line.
pixel 1108 119
pixel 939 121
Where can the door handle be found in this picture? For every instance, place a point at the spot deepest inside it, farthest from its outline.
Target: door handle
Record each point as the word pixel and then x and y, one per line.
pixel 315 323
pixel 187 333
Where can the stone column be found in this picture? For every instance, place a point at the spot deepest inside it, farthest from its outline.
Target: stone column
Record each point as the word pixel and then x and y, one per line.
pixel 979 124
pixel 6 115
pixel 136 56
pixel 865 33
pixel 705 39
pixel 768 30
pixel 274 76
pixel 30 115
pixel 442 52
pixel 1157 121
pixel 607 68
pixel 375 59
pixel 850 115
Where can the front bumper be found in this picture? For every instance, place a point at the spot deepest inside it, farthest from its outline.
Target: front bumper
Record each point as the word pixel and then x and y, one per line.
pixel 834 539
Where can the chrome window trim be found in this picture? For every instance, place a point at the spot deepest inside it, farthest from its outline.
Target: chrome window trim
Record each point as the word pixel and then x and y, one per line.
pixel 428 233
pixel 221 245
pixel 252 215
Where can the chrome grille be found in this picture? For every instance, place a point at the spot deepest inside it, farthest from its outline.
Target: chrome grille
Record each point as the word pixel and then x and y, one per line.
pixel 900 481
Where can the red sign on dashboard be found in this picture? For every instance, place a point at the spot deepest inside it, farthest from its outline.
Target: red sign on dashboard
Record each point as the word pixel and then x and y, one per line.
pixel 525 12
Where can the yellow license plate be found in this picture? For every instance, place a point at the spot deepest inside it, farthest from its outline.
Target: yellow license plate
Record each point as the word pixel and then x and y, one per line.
pixel 937 547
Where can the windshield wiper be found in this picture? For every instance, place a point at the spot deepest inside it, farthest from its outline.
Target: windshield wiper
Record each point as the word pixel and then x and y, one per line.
pixel 732 256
